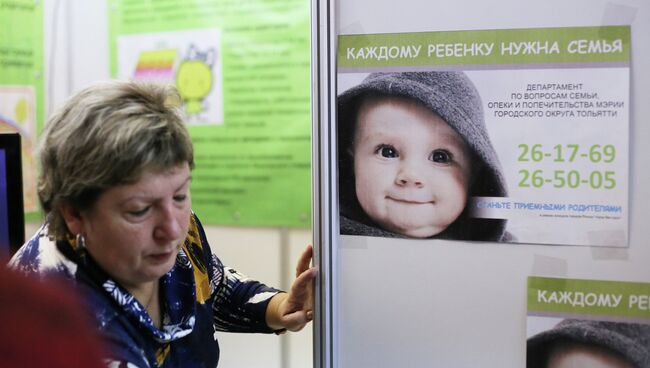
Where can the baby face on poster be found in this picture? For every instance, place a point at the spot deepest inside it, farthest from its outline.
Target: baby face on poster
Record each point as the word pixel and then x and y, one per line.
pixel 412 170
pixel 413 150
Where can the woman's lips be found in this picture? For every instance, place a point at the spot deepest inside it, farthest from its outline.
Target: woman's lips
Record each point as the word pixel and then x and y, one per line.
pixel 161 257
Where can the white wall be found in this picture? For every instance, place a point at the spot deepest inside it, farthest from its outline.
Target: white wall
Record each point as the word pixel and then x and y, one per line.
pixel 76 42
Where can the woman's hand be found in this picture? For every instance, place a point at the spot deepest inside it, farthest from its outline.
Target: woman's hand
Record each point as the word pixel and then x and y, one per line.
pixel 293 310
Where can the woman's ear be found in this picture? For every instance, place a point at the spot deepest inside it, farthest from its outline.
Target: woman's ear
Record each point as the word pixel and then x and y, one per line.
pixel 72 217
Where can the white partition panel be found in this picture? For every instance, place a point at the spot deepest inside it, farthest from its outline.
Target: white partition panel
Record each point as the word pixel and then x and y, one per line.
pixel 387 302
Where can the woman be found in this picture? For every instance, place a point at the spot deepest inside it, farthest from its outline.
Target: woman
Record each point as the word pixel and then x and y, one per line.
pixel 115 178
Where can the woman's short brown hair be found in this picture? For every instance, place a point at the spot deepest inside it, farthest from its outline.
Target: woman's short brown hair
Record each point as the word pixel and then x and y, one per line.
pixel 108 134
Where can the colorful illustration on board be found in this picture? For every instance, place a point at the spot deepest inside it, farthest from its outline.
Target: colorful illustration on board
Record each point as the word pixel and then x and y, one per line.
pixel 189 59
pixel 156 66
pixel 194 78
pixel 17 114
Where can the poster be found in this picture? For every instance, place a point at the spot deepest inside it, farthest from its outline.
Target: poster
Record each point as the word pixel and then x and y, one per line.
pixel 587 323
pixel 21 84
pixel 18 114
pixel 510 135
pixel 242 69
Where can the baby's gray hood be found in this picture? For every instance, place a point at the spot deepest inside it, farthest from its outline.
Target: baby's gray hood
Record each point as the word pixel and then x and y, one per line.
pixel 629 340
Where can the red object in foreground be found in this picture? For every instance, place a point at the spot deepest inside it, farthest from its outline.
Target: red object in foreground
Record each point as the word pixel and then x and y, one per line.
pixel 43 324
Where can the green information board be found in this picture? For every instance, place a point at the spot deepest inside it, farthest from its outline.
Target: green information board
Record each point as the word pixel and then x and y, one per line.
pixel 21 84
pixel 242 68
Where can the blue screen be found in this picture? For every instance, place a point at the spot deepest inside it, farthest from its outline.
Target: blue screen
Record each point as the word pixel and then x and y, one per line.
pixel 4 220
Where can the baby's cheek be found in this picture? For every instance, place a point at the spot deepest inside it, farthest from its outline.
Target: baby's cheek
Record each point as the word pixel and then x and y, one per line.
pixel 366 202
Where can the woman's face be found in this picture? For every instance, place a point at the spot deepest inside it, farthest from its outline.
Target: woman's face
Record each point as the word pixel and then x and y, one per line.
pixel 135 231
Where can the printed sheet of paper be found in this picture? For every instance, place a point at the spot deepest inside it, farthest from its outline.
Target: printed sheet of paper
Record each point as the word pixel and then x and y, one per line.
pixel 548 155
pixel 605 322
pixel 242 69
pixel 21 85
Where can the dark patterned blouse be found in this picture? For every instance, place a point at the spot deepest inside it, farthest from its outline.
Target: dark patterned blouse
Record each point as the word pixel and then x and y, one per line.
pixel 199 296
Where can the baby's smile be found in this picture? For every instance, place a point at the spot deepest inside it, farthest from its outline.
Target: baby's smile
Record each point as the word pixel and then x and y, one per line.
pixel 409 200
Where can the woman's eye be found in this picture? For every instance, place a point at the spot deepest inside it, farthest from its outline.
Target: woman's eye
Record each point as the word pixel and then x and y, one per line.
pixel 139 212
pixel 441 156
pixel 387 151
pixel 180 197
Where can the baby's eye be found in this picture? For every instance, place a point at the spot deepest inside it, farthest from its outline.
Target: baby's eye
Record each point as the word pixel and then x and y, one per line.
pixel 387 151
pixel 440 156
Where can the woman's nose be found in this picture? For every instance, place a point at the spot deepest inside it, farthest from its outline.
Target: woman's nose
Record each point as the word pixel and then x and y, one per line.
pixel 168 226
